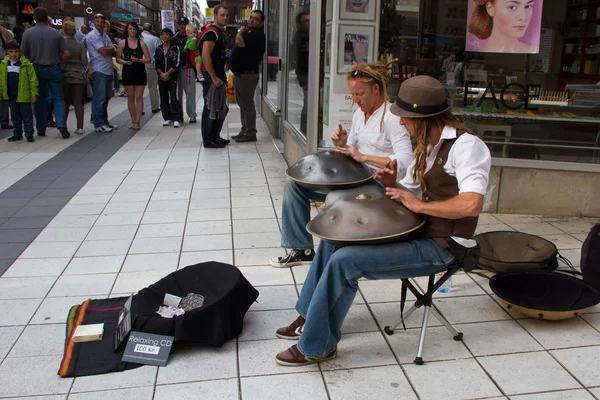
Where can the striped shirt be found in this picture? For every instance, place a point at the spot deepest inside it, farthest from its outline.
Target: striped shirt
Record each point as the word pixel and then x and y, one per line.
pixel 94 41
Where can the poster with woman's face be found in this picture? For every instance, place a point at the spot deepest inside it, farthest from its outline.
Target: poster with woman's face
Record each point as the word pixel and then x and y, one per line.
pixel 363 10
pixel 504 26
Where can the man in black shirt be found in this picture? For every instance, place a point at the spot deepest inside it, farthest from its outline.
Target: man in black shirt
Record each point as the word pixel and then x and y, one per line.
pixel 246 56
pixel 213 45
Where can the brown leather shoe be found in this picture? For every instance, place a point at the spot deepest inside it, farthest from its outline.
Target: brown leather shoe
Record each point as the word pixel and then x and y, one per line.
pixel 238 135
pixel 293 358
pixel 292 331
pixel 245 138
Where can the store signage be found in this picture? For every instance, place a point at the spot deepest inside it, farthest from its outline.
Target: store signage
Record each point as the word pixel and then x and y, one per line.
pixel 147 348
pixel 27 9
pixel 525 90
pixel 122 17
pixel 56 21
pixel 89 10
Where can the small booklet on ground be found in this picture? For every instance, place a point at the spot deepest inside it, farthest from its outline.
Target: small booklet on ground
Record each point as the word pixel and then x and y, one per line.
pixel 88 333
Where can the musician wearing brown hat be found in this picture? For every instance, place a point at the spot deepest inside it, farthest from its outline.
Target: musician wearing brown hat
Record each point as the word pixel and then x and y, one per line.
pixel 376 139
pixel 447 181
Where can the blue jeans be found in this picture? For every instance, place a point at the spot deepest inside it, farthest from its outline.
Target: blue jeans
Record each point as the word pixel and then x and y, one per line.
pixel 295 213
pixel 101 92
pixel 50 80
pixel 211 128
pixel 332 282
pixel 116 80
pixel 22 118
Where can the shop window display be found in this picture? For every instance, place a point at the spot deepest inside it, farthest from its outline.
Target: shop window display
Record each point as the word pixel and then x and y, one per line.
pixel 523 74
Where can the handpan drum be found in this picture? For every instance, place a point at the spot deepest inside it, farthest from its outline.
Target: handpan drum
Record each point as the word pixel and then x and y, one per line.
pixel 369 218
pixel 326 171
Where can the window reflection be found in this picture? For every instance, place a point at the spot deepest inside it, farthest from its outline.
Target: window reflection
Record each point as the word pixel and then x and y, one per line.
pixel 298 64
pixel 272 70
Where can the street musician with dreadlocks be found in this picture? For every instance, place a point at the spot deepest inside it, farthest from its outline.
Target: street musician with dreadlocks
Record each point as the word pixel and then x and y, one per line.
pixel 447 182
pixel 376 138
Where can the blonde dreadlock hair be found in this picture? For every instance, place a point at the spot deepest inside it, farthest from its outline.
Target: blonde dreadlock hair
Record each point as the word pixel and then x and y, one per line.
pixel 371 74
pixel 421 128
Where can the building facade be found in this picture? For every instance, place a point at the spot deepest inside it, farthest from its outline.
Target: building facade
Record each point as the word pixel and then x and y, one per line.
pixel 536 104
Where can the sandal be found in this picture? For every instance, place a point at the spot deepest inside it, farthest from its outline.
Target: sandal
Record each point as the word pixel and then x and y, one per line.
pixel 136 127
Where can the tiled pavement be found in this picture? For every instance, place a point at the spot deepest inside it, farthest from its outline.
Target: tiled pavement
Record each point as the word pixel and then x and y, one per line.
pixel 161 202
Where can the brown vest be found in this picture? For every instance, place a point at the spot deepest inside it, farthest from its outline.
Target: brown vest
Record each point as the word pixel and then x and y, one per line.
pixel 440 187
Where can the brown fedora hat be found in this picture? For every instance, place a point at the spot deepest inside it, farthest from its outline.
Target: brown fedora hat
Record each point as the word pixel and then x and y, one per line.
pixel 420 97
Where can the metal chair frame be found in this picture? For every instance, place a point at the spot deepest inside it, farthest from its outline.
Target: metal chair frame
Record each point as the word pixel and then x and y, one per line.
pixel 425 300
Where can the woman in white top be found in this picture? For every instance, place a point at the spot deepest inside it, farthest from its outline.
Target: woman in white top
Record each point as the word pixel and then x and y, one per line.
pixel 376 138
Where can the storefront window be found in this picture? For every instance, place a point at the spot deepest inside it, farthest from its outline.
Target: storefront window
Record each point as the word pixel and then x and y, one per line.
pixel 299 58
pixel 273 76
pixel 522 74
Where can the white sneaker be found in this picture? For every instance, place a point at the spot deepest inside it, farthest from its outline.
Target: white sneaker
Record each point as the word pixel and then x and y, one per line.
pixel 167 122
pixel 111 126
pixel 103 129
pixel 79 131
pixel 176 124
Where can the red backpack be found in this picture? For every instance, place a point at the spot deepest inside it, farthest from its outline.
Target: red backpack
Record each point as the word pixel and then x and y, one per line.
pixel 209 28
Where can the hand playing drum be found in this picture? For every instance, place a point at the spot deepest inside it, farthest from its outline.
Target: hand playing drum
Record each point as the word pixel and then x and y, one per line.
pixel 340 136
pixel 388 175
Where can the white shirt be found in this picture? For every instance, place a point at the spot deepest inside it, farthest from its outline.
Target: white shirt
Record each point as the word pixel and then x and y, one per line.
pixel 152 42
pixel 393 142
pixel 469 161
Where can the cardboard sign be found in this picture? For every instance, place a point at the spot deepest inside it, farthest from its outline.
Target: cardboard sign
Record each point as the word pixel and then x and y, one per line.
pixel 147 348
pixel 123 323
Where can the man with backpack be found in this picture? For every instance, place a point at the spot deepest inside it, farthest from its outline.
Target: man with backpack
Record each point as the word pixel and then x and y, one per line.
pixel 212 42
pixel 5 36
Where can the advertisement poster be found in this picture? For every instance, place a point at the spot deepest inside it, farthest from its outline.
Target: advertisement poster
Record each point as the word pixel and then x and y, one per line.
pixel 364 10
pixel 342 110
pixel 167 18
pixel 504 26
pixel 358 46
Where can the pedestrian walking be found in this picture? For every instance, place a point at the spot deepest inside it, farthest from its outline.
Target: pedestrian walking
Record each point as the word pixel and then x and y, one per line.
pixel 246 57
pixel 152 42
pixel 18 85
pixel 168 61
pixel 45 47
pixel 133 54
pixel 75 77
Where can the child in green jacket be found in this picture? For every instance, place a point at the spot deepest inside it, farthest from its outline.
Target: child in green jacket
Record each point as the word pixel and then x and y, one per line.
pixel 18 84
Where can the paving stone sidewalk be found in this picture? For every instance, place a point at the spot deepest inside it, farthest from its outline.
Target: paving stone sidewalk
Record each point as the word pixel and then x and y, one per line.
pixel 162 202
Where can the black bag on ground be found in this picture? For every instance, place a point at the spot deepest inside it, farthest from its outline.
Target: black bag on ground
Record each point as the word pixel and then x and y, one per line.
pixel 507 251
pixel 590 257
pixel 227 297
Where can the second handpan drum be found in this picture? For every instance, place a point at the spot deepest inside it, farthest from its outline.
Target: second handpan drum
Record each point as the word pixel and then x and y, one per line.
pixel 369 218
pixel 326 171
